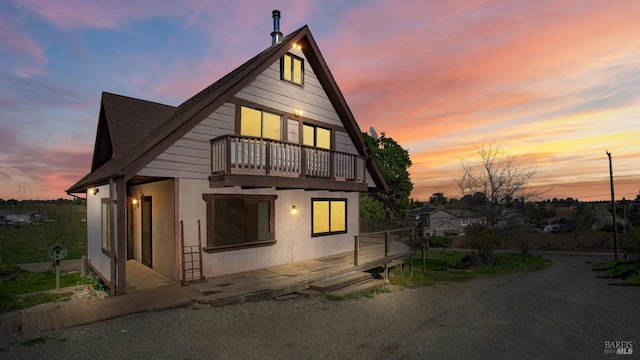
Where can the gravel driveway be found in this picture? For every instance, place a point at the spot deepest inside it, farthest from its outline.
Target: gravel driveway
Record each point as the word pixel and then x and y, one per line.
pixel 562 312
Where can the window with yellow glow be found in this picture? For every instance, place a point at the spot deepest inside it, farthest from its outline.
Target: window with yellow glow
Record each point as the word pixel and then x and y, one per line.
pixel 329 216
pixel 260 123
pixel 292 69
pixel 316 136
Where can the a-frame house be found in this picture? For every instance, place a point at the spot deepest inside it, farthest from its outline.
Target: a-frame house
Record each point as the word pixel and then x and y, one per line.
pixel 269 159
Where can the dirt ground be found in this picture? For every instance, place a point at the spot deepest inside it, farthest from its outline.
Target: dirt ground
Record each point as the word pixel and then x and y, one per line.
pixel 564 311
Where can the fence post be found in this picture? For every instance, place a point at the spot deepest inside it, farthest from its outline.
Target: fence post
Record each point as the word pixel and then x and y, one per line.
pixel 424 262
pixel 356 246
pixel 386 244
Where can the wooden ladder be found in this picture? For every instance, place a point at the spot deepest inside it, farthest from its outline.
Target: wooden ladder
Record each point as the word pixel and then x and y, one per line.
pixel 191 259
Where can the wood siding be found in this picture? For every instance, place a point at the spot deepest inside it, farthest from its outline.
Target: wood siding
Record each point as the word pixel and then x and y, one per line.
pixel 190 157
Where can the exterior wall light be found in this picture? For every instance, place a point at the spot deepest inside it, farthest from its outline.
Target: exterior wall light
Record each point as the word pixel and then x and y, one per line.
pixel 294 210
pixel 135 202
pixel 95 191
pixel 297 113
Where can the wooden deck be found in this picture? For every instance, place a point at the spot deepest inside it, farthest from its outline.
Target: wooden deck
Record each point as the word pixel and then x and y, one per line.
pixel 149 290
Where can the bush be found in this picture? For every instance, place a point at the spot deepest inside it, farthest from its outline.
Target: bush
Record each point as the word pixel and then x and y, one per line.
pixel 469 261
pixel 483 239
pixel 439 241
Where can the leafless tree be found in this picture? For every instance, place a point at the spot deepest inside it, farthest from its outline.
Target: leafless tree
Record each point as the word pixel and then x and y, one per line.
pixel 496 185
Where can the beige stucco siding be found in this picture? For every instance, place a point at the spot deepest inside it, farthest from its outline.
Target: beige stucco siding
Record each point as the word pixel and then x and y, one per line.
pixel 98 259
pixel 293 232
pixel 163 226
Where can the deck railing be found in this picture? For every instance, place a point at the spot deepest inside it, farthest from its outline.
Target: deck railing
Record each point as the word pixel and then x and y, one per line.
pixel 232 154
pixel 389 242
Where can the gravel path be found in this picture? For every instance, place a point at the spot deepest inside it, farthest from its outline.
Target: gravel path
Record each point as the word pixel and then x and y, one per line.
pixel 564 311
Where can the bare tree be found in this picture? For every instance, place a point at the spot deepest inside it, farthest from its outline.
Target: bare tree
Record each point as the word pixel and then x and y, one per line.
pixel 495 185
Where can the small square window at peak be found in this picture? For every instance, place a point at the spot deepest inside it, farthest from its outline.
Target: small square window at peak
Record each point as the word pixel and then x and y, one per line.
pixel 292 69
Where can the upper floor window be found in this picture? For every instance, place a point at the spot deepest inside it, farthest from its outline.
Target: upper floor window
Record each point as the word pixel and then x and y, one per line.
pixel 260 123
pixel 316 136
pixel 292 69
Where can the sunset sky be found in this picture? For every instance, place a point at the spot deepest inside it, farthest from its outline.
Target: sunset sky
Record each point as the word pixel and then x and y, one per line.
pixel 555 83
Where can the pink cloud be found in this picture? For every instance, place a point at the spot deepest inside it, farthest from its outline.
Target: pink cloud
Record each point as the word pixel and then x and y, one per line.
pixel 17 42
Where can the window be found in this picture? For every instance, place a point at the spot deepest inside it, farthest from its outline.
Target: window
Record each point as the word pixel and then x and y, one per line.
pixel 260 123
pixel 106 226
pixel 237 221
pixel 316 136
pixel 465 221
pixel 292 69
pixel 329 216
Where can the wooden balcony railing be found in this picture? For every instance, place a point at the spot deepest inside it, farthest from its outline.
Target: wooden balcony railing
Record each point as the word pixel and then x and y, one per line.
pixel 232 154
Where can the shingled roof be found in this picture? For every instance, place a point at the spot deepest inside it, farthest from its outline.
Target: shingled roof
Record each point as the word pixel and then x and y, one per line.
pixel 162 125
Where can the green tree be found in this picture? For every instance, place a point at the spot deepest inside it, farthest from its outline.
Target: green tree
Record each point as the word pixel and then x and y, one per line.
pixel 438 199
pixel 393 162
pixel 484 239
pixel 371 209
pixel 631 241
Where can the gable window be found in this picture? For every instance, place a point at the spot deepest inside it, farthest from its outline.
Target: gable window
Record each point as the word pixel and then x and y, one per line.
pixel 329 216
pixel 260 123
pixel 105 214
pixel 316 136
pixel 465 221
pixel 239 221
pixel 292 69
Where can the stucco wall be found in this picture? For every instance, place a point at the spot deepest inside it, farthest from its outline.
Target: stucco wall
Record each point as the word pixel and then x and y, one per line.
pixel 163 226
pixel 100 261
pixel 293 232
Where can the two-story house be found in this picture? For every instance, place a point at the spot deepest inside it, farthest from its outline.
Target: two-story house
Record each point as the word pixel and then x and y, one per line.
pixel 450 222
pixel 269 159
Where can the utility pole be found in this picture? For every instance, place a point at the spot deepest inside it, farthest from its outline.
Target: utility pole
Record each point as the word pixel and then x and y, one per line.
pixel 613 205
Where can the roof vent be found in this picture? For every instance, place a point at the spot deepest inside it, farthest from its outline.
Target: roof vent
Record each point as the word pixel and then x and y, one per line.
pixel 276 35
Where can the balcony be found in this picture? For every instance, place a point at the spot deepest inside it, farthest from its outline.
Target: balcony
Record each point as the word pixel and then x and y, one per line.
pixel 257 162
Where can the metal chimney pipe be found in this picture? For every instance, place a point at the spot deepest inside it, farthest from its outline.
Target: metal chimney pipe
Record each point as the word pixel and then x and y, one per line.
pixel 276 35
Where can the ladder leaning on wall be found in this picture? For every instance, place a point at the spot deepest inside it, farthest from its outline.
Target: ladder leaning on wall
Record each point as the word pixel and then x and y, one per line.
pixel 191 259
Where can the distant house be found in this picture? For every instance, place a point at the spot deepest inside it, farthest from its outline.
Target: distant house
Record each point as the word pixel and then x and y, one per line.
pixel 448 222
pixel 421 214
pixel 269 159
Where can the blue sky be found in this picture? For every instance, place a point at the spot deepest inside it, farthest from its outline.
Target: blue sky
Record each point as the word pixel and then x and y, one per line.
pixel 555 83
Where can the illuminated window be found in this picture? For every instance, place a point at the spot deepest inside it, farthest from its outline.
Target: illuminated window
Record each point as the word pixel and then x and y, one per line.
pixel 260 123
pixel 106 226
pixel 237 221
pixel 316 136
pixel 329 216
pixel 292 69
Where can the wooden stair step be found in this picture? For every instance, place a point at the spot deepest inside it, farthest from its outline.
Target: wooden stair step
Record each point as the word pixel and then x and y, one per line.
pixel 339 281
pixel 360 287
